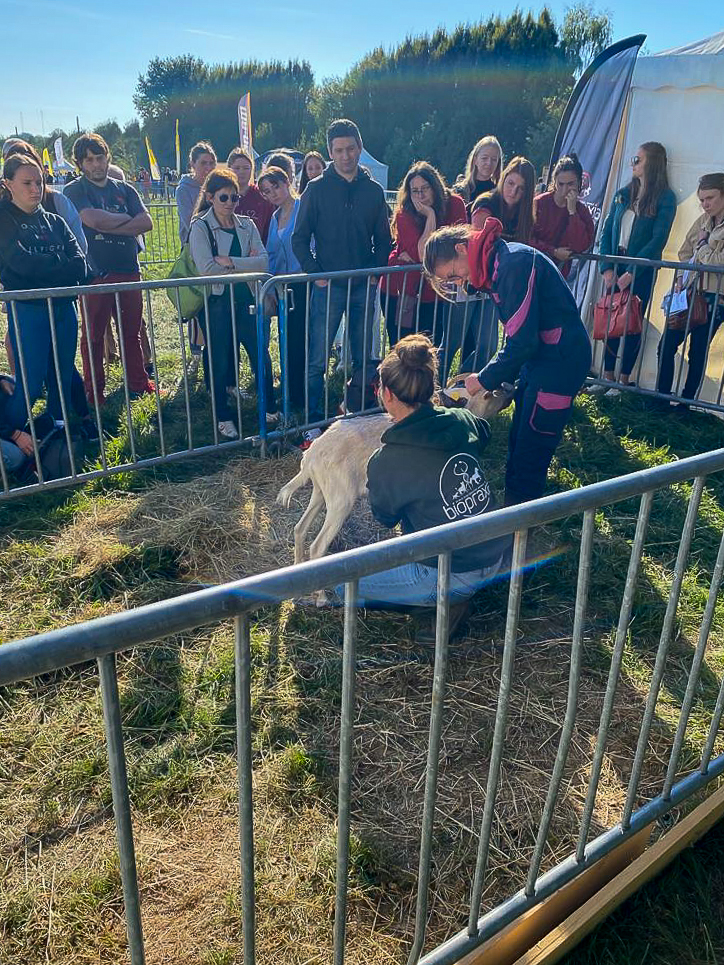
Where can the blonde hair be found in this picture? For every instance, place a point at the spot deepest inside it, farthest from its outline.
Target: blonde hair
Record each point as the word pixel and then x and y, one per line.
pixel 409 370
pixel 465 184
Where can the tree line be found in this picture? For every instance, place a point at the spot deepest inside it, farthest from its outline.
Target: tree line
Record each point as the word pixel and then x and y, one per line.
pixel 431 97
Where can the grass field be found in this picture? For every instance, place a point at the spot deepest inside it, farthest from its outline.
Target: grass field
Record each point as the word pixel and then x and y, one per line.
pixel 72 555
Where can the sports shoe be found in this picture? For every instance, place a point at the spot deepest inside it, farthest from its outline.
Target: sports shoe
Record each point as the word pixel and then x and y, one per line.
pixel 596 389
pixel 308 438
pixel 227 430
pixel 612 394
pixel 426 623
pixel 272 418
pixel 88 429
pixel 235 391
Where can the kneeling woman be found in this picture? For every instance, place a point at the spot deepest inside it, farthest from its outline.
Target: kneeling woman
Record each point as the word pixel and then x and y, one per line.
pixel 427 473
pixel 222 241
pixel 546 348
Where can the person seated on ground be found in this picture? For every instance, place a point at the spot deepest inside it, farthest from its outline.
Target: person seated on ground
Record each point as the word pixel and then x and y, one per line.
pixel 563 225
pixel 38 250
pixel 547 348
pixel 221 241
pixel 15 445
pixel 428 472
pixel 638 225
pixel 511 202
pixel 424 203
pixel 703 244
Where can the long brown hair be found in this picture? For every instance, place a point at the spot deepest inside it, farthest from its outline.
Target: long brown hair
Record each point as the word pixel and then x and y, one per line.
pixel 203 147
pixel 304 178
pixel 465 184
pixel 220 177
pixel 656 181
pixel 440 194
pixel 409 370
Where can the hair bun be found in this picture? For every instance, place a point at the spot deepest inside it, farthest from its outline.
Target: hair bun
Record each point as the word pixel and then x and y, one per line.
pixel 415 351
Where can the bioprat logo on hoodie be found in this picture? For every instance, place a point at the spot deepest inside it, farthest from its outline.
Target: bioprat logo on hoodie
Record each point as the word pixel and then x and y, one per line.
pixel 463 488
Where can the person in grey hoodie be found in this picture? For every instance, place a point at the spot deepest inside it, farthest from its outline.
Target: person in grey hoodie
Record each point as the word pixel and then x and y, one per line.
pixel 202 161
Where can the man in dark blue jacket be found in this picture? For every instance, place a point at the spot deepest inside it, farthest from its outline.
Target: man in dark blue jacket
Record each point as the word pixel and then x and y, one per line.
pixel 343 215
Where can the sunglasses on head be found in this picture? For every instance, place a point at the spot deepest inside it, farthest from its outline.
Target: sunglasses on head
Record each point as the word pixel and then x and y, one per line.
pixel 225 197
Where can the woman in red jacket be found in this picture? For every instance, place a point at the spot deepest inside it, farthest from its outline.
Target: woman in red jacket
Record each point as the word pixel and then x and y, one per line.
pixel 424 204
pixel 563 225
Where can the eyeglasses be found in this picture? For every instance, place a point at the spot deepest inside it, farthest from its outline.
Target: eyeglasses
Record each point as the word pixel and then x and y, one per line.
pixel 635 159
pixel 225 197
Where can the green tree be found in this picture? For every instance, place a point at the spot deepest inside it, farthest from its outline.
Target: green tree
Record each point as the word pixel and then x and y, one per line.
pixel 584 34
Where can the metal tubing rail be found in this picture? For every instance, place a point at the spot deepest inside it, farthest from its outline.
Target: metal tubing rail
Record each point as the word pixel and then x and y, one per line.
pixel 153 284
pixel 46 652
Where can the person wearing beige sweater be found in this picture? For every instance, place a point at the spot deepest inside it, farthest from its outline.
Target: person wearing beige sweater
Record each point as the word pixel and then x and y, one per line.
pixel 704 244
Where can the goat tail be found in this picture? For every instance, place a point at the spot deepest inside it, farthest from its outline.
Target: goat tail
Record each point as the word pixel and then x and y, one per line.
pixel 284 496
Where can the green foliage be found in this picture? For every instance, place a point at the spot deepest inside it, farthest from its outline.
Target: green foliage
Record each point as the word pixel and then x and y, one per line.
pixel 585 34
pixel 204 98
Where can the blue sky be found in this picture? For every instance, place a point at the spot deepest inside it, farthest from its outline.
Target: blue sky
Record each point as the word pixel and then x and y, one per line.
pixel 75 57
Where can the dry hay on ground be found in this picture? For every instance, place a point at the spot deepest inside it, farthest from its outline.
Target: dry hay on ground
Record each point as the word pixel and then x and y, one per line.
pixel 223 526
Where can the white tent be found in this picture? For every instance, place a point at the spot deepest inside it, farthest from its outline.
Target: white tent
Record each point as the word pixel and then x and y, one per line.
pixel 377 169
pixel 677 98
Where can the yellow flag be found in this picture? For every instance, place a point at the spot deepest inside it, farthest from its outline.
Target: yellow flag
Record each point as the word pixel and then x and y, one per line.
pixel 178 151
pixel 46 160
pixel 152 162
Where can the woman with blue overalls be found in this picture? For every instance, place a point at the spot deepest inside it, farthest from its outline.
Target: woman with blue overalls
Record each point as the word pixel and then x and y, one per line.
pixel 546 346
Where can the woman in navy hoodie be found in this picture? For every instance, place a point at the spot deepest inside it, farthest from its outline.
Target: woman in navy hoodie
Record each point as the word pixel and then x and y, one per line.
pixel 37 250
pixel 546 348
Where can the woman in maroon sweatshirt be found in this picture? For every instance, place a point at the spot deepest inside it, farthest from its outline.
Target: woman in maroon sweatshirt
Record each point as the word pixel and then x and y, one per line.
pixel 563 225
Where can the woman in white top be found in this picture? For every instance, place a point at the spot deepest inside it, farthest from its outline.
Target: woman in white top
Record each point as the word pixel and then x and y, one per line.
pixel 220 242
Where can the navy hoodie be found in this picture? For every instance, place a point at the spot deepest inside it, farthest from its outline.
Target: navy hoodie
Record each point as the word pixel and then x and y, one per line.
pixel 428 473
pixel 349 221
pixel 38 251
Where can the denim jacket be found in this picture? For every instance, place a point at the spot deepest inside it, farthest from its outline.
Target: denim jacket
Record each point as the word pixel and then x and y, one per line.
pixel 648 235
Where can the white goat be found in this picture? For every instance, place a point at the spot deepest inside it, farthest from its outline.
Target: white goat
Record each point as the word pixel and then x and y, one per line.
pixel 336 465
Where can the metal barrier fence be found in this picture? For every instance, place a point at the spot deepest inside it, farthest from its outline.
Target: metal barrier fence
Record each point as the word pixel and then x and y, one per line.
pixel 162 246
pixel 101 639
pixel 309 310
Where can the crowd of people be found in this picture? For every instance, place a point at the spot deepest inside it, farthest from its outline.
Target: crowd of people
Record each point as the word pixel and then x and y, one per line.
pixel 333 217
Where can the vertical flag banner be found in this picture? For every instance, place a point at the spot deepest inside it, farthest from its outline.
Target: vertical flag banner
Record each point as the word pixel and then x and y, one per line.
pixel 590 126
pixel 58 148
pixel 244 111
pixel 152 162
pixel 46 160
pixel 178 151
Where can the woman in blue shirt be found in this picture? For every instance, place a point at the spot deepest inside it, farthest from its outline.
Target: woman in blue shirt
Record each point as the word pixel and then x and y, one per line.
pixel 275 187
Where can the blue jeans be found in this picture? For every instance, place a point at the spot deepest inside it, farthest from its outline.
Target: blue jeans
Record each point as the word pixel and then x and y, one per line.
pixel 12 457
pixel 414 584
pixel 34 323
pixel 322 331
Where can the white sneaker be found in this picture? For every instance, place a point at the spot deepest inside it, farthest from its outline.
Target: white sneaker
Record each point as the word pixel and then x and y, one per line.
pixel 227 430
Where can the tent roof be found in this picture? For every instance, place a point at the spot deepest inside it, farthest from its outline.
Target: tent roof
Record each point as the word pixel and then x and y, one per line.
pixel 709 45
pixel 699 64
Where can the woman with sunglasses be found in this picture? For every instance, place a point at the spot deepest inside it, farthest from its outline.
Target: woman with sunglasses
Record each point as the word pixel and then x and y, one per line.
pixel 547 349
pixel 279 194
pixel 222 241
pixel 638 225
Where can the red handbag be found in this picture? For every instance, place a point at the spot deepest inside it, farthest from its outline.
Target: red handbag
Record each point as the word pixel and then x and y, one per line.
pixel 617 314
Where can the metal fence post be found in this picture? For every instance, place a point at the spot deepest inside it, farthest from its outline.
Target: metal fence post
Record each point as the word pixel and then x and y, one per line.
pixel 242 684
pixel 121 806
